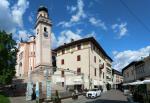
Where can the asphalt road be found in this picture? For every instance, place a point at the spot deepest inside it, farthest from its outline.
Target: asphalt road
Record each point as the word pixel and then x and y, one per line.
pixel 112 96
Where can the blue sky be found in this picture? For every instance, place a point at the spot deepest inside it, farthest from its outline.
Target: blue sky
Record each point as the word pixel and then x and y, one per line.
pixel 121 35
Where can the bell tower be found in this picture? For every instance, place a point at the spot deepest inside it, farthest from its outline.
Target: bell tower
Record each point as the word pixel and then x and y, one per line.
pixel 43 39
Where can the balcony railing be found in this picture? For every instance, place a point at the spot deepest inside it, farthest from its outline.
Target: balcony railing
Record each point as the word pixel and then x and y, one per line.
pixel 101 66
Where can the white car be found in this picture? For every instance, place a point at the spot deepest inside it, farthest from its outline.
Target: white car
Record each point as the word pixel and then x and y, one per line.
pixel 93 93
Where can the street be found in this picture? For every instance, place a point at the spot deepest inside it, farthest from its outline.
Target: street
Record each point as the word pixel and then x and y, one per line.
pixel 112 96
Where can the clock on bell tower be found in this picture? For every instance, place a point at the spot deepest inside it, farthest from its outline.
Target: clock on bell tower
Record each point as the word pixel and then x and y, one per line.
pixel 43 38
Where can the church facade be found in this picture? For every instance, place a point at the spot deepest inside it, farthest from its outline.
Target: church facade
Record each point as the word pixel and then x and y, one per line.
pixel 80 64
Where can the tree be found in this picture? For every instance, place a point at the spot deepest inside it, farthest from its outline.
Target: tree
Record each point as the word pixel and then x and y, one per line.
pixel 8 52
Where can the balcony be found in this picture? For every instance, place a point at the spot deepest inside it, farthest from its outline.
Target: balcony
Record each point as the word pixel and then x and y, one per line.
pixel 101 66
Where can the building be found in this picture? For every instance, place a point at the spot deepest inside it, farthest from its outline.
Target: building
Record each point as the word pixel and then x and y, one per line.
pixel 82 64
pixel 137 70
pixel 35 55
pixel 142 69
pixel 25 58
pixel 129 73
pixel 117 79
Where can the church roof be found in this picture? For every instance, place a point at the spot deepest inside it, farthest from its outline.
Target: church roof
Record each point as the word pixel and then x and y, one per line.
pixel 42 8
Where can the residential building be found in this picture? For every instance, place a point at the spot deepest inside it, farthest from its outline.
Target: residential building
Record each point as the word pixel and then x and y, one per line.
pixel 129 73
pixel 142 69
pixel 117 79
pixel 82 64
pixel 137 70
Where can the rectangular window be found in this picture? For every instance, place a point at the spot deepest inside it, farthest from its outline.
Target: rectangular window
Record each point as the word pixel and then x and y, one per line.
pixel 100 72
pixel 95 59
pixel 78 71
pixel 93 47
pixel 95 72
pixel 63 51
pixel 103 75
pixel 62 84
pixel 79 46
pixel 78 58
pixel 109 65
pixel 62 73
pixel 62 61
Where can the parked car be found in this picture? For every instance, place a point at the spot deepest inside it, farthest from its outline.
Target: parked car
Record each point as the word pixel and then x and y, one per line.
pixel 93 93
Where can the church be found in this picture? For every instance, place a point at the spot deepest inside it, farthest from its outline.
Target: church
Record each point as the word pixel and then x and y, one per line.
pixel 79 64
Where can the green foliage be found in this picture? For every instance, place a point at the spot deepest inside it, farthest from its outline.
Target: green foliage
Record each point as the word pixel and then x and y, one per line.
pixel 4 99
pixel 56 98
pixel 7 57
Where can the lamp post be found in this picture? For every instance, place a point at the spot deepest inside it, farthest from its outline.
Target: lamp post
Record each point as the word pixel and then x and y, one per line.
pixel 47 73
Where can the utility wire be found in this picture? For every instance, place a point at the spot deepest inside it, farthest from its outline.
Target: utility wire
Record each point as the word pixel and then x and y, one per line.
pixel 134 15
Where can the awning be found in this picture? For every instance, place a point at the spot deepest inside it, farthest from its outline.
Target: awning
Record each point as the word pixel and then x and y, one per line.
pixel 134 83
pixel 146 81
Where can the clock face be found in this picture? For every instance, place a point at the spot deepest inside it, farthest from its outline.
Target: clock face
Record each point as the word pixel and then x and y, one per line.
pixel 45 34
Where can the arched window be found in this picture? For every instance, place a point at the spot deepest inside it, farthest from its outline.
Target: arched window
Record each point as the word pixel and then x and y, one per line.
pixel 45 32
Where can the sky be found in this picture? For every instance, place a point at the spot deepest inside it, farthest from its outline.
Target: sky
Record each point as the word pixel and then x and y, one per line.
pixel 120 26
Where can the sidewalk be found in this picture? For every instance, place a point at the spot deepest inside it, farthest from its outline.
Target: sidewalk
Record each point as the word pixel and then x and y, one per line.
pixel 20 99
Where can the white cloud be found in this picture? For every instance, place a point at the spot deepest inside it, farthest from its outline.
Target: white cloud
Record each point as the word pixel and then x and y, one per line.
pixel 12 14
pixel 79 31
pixel 65 24
pixel 121 59
pixel 92 34
pixel 80 13
pixel 71 8
pixel 67 35
pixel 98 23
pixel 18 10
pixel 53 40
pixel 30 18
pixel 120 29
pixel 23 34
pixel 75 18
